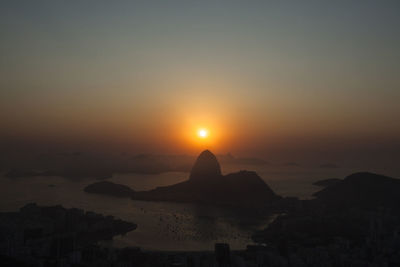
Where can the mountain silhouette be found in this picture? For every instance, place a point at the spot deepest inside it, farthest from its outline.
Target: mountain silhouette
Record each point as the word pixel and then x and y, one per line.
pixel 364 190
pixel 205 167
pixel 206 184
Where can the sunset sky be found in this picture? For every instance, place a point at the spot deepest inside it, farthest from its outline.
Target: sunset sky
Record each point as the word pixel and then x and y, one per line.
pixel 265 78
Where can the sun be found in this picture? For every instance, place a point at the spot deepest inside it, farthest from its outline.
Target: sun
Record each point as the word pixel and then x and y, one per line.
pixel 202 133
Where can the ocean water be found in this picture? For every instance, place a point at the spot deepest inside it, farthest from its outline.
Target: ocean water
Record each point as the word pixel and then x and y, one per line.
pixel 166 225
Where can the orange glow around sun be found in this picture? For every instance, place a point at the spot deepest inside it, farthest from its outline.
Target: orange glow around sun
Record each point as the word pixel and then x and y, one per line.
pixel 199 137
pixel 203 129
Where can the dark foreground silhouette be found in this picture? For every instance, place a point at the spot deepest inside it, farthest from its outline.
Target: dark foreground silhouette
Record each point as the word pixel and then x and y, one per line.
pixel 353 222
pixel 45 236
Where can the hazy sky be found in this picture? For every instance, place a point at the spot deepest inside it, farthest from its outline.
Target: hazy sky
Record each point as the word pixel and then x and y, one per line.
pixel 289 77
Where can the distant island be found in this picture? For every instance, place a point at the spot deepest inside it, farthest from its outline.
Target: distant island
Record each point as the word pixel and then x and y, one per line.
pixel 329 166
pixel 72 227
pixel 327 182
pixel 73 174
pixel 230 159
pixel 109 188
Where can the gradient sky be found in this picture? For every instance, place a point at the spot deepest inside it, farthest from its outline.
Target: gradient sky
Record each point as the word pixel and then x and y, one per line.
pixel 287 78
